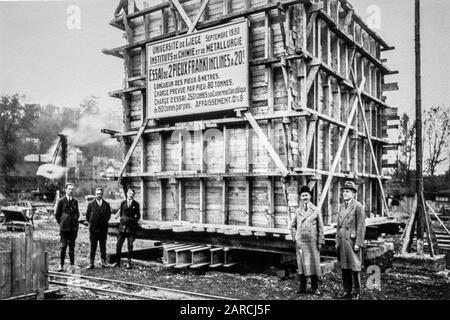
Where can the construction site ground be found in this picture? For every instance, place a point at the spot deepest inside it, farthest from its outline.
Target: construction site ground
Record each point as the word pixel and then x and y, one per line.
pixel 395 284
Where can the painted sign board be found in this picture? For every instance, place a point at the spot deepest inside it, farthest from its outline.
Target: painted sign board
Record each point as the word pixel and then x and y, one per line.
pixel 202 72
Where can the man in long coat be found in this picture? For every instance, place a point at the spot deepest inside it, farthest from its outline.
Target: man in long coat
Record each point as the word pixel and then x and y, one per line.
pixel 67 215
pixel 130 214
pixel 309 238
pixel 98 214
pixel 350 235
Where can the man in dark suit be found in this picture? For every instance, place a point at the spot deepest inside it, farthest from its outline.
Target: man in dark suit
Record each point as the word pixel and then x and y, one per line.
pixel 98 214
pixel 130 214
pixel 67 215
pixel 350 233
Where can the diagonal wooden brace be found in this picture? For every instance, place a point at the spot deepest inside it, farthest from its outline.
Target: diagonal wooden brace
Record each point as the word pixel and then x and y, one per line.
pixel 182 13
pixel 198 16
pixel 337 157
pixel 374 158
pixel 266 143
pixel 132 148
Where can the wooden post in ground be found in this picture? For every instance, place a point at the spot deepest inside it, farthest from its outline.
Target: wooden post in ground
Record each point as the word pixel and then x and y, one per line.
pixel 419 147
pixel 17 266
pixel 5 275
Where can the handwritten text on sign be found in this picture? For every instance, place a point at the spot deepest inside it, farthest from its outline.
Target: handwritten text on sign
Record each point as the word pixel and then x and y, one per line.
pixel 206 71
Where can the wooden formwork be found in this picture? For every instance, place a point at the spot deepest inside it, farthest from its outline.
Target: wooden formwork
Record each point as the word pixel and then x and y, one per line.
pixel 24 269
pixel 317 116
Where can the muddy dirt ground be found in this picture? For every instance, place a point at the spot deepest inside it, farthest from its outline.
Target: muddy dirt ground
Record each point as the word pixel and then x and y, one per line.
pixel 395 284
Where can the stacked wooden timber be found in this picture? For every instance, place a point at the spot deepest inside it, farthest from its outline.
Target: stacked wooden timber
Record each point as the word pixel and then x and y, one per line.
pixel 316 116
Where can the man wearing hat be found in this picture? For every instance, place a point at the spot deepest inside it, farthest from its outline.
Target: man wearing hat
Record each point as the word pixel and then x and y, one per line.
pixel 350 234
pixel 309 238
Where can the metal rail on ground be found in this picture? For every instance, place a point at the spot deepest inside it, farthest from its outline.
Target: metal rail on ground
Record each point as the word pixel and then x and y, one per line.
pixel 144 286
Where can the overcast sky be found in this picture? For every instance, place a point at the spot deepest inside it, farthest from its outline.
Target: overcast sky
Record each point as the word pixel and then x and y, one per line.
pixel 50 63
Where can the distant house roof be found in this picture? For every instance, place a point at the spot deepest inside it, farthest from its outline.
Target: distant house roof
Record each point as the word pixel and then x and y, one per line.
pixel 35 158
pixel 77 150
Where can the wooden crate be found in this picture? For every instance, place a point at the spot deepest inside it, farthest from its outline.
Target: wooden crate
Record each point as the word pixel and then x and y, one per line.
pixel 304 79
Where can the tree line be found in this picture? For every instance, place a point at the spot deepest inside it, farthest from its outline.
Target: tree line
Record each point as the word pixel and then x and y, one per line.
pixel 27 128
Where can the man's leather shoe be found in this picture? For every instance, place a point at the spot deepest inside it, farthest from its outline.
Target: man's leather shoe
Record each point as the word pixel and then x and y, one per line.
pixel 116 265
pixel 104 265
pixel 129 266
pixel 91 266
pixel 356 296
pixel 317 292
pixel 345 295
pixel 61 269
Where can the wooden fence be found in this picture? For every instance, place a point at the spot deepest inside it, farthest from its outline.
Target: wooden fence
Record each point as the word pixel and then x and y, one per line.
pixel 24 269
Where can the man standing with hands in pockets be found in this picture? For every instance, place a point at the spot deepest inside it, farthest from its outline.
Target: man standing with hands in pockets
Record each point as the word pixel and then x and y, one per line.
pixel 350 233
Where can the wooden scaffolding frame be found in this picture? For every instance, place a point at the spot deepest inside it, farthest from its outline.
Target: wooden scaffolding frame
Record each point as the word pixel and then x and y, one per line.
pixel 328 71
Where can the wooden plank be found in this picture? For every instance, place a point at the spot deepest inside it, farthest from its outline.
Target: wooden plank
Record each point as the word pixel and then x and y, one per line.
pixel 337 156
pixel 374 156
pixel 225 201
pixel 18 266
pixel 132 148
pixel 198 16
pixel 39 271
pixel 390 86
pixel 309 139
pixel 29 257
pixel 271 201
pixel 267 145
pixel 182 13
pixel 311 77
pixel 46 269
pixel 311 23
pixel 5 274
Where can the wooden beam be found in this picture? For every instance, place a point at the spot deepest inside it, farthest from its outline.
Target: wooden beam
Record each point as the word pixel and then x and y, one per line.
pixel 310 138
pixel 374 157
pixel 311 77
pixel 183 14
pixel 198 16
pixel 113 53
pixel 390 86
pixel 266 143
pixel 311 21
pixel 132 148
pixel 337 156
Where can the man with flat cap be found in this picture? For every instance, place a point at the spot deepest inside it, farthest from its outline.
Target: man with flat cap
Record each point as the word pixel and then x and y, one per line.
pixel 350 233
pixel 309 238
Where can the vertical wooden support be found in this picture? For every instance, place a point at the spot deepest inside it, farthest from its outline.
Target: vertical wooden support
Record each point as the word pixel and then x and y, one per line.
pixel 143 184
pixel 131 6
pixel 164 21
pixel 28 259
pixel 226 7
pixel 39 274
pixel 226 165
pixel 162 184
pixel 248 182
pixel 18 272
pixel 180 184
pixel 202 186
pixel 324 191
pixel 5 274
